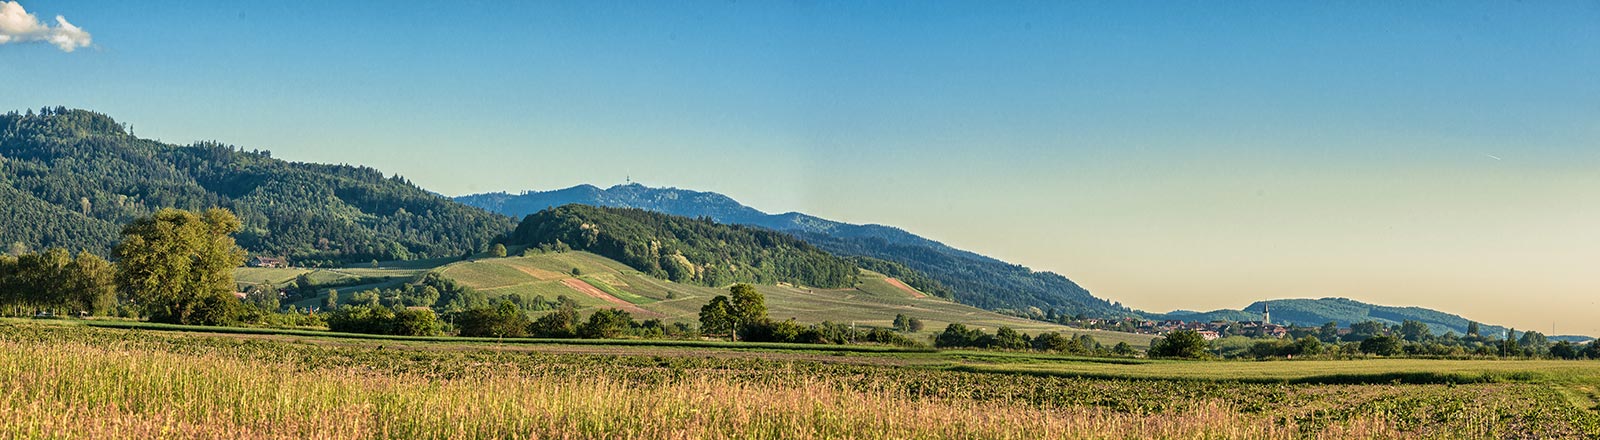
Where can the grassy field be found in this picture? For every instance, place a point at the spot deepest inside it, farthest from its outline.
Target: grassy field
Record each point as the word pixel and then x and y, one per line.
pixel 873 302
pixel 76 381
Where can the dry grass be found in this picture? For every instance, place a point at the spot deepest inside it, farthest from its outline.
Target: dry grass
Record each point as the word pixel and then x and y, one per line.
pixel 73 382
pixel 81 391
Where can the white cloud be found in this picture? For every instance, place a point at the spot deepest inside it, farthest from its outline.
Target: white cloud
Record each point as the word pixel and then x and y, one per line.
pixel 18 26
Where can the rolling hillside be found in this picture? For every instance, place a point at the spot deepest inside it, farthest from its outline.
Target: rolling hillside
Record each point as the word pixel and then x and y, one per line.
pixel 71 178
pixel 602 282
pixel 971 278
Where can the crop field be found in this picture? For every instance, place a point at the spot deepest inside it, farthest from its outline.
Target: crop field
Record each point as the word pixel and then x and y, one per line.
pixel 873 302
pixel 75 381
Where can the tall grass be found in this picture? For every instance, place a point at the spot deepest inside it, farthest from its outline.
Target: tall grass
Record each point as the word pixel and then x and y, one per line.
pixel 82 391
pixel 76 382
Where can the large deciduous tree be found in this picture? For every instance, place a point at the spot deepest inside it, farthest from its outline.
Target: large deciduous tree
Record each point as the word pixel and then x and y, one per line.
pixel 1180 344
pixel 743 306
pixel 748 305
pixel 178 265
pixel 714 317
pixel 93 283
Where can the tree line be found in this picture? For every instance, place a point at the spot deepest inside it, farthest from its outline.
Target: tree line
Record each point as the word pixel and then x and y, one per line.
pixel 57 282
pixel 1410 339
pixel 741 315
pixel 958 335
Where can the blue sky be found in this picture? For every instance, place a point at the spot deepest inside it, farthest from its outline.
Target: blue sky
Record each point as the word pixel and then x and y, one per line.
pixel 1167 155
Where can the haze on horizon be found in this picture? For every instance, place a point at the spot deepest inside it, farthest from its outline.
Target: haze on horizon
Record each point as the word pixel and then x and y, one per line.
pixel 1190 156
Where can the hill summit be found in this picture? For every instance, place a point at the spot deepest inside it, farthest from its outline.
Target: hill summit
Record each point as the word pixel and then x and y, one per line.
pixel 685 250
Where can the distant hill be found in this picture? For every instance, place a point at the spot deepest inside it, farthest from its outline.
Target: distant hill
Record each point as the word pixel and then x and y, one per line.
pixel 1314 312
pixel 969 277
pixel 684 250
pixel 1214 315
pixel 72 178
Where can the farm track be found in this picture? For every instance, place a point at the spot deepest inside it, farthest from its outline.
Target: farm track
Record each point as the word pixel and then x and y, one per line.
pixel 586 289
pixel 902 286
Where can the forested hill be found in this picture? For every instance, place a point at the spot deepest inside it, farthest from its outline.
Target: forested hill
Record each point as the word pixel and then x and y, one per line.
pixel 1344 311
pixel 685 250
pixel 970 278
pixel 72 178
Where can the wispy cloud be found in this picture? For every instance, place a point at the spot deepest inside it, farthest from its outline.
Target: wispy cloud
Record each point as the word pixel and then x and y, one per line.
pixel 18 26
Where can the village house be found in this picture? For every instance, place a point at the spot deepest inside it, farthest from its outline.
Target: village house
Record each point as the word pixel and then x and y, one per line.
pixel 260 261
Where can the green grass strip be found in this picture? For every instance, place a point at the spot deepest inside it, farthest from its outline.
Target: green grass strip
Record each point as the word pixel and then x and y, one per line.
pixel 136 325
pixel 1374 378
pixel 619 293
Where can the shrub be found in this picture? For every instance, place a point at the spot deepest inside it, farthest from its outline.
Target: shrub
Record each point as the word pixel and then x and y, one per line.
pixel 1381 345
pixel 958 335
pixel 562 323
pixel 606 323
pixel 416 322
pixel 361 319
pixel 504 321
pixel 216 309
